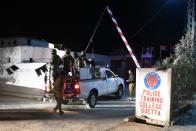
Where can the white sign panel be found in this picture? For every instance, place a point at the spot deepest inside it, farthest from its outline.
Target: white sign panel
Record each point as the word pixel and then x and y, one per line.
pixel 153 93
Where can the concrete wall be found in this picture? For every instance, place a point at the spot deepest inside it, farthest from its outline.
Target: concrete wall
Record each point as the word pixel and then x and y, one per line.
pixel 8 57
pixel 24 82
pixel 38 54
pixel 12 53
pixel 26 76
pixel 23 54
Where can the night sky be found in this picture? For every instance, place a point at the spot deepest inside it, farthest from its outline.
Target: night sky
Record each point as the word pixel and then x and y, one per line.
pixel 72 23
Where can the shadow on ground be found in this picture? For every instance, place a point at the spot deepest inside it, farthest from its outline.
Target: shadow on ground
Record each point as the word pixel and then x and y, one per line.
pixel 25 114
pixel 69 114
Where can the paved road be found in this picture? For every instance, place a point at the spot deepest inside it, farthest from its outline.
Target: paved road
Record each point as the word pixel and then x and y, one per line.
pixel 25 114
pixel 17 114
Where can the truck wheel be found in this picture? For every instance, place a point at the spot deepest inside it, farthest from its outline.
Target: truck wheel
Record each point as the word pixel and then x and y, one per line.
pixel 92 100
pixel 119 93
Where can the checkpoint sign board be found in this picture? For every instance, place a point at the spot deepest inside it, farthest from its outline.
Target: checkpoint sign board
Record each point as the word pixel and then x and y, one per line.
pixel 153 93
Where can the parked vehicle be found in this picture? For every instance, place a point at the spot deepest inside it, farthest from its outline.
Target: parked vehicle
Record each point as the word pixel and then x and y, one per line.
pixel 93 82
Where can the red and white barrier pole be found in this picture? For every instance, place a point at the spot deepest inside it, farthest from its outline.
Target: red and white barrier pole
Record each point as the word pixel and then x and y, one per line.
pixel 123 38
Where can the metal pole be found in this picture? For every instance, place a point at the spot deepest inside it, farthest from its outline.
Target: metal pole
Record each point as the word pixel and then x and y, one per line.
pixel 91 39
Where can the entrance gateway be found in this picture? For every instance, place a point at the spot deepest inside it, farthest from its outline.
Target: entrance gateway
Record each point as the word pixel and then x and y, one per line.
pixel 153 95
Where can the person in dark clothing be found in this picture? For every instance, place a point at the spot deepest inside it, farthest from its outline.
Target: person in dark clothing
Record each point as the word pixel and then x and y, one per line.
pixel 83 62
pixel 131 84
pixel 68 62
pixel 58 80
pixel 55 62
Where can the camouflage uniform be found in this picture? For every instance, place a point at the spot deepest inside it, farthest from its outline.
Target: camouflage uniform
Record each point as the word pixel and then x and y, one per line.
pixel 55 62
pixel 68 62
pixel 57 79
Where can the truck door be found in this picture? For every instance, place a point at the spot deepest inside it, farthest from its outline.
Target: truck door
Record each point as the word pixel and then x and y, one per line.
pixel 111 81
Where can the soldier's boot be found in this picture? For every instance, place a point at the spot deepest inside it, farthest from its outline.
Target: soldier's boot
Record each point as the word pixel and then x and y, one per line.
pixel 59 103
pixel 61 112
pixel 60 109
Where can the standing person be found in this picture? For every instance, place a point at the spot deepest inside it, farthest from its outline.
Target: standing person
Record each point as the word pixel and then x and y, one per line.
pixel 68 62
pixel 55 62
pixel 131 84
pixel 76 63
pixel 83 62
pixel 57 80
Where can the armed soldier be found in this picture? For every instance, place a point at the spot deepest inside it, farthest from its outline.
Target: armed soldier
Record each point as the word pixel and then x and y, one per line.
pixel 68 62
pixel 83 62
pixel 55 62
pixel 57 80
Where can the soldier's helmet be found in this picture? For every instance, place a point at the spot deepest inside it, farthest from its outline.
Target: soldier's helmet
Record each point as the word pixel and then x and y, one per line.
pixel 53 52
pixel 67 51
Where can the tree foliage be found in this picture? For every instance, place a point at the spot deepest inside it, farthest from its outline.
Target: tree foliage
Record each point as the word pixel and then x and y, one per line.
pixel 183 65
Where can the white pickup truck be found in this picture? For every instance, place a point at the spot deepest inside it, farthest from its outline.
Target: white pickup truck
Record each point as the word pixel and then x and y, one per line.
pixel 98 82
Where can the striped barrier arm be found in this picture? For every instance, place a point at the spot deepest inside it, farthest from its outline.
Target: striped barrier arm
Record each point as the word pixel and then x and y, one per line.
pixel 123 37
